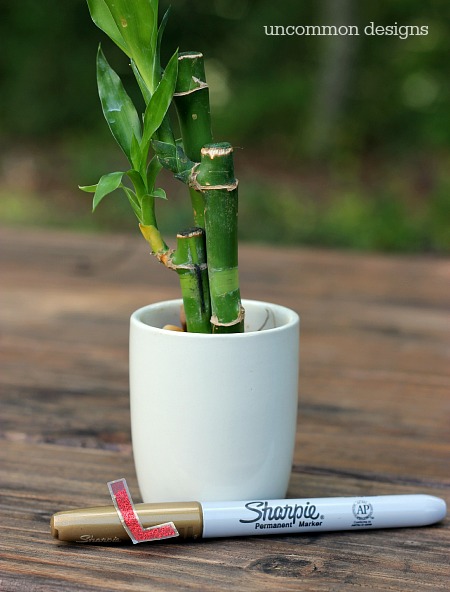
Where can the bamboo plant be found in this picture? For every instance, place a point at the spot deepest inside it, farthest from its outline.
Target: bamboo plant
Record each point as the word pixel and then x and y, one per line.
pixel 205 257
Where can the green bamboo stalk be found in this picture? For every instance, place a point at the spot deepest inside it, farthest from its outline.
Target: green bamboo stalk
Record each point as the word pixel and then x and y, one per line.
pixel 191 100
pixel 189 260
pixel 214 178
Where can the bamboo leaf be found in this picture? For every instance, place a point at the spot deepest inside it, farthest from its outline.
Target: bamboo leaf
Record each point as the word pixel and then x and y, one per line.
pixel 88 188
pixel 184 165
pixel 184 176
pixel 174 159
pixel 138 182
pixel 137 21
pixel 157 62
pixel 160 101
pixel 135 153
pixel 144 90
pixel 134 202
pixel 164 149
pixel 107 184
pixel 161 29
pixel 154 166
pixel 118 108
pixel 159 193
pixel 103 18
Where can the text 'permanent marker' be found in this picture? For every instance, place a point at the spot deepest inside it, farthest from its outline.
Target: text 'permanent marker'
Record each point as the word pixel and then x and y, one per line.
pixel 247 518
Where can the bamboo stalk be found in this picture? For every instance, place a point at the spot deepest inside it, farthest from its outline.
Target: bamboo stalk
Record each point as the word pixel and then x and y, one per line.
pixel 189 260
pixel 191 100
pixel 214 178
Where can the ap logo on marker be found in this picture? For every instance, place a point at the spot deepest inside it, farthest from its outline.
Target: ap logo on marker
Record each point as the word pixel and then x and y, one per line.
pixel 362 510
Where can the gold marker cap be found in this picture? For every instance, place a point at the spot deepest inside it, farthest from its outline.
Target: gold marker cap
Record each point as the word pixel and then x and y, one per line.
pixel 102 524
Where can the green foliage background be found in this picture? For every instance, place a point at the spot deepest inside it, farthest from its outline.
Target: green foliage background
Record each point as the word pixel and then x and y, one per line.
pixel 347 139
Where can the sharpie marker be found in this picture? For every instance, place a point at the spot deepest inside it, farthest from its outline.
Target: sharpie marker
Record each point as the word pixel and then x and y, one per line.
pixel 254 517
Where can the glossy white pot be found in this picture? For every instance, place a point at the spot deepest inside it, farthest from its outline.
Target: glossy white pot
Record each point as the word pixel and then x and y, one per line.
pixel 213 417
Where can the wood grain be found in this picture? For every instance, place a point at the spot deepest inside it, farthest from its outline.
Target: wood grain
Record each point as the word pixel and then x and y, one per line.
pixel 374 412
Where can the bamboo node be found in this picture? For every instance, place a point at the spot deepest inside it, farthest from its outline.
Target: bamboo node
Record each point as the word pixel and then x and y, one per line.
pixel 215 321
pixel 190 232
pixel 190 56
pixel 216 151
pixel 194 184
pixel 191 266
pixel 200 85
pixel 165 257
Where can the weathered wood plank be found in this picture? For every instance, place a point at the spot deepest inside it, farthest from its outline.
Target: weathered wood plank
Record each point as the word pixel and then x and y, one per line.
pixel 374 413
pixel 61 477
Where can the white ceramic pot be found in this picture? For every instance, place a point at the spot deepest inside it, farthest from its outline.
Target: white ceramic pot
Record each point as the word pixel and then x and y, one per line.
pixel 213 417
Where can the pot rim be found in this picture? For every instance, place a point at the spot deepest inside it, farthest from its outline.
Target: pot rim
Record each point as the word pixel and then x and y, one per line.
pixel 292 320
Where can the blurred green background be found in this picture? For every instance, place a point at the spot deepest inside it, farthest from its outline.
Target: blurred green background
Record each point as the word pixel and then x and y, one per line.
pixel 341 141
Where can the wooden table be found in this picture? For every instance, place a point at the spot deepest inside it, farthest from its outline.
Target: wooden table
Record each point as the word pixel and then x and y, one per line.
pixel 373 414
